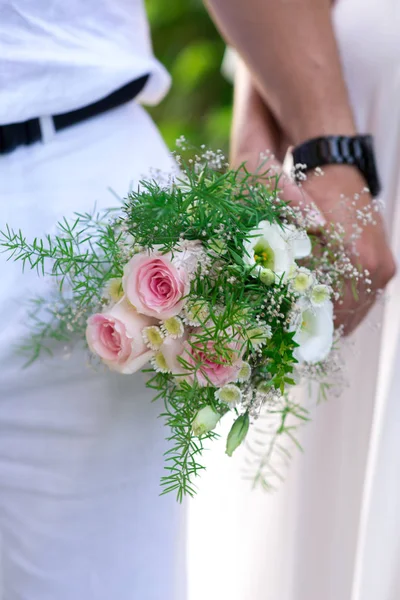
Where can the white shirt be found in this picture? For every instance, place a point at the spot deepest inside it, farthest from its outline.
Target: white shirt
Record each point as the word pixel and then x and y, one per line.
pixel 59 55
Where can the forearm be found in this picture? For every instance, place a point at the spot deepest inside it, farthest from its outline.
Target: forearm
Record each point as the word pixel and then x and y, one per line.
pixel 290 48
pixel 254 129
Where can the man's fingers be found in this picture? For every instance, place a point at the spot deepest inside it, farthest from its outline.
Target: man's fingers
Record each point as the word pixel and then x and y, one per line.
pixel 267 171
pixel 300 199
pixel 351 311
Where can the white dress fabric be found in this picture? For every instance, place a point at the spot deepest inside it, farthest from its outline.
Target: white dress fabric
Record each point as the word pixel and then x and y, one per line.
pixel 81 453
pixel 332 530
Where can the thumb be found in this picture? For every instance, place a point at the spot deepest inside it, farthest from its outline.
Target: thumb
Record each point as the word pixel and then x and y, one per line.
pixel 289 190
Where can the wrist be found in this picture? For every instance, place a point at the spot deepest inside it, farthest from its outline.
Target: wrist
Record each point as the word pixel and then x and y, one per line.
pixel 308 128
pixel 351 151
pixel 335 184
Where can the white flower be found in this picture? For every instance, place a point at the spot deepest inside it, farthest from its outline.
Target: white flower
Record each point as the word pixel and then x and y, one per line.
pixel 301 280
pixel 298 241
pixel 244 373
pixel 173 327
pixel 230 394
pixel 159 363
pixel 267 248
pixel 205 420
pixel 314 331
pixel 153 337
pixel 196 313
pixel 113 290
pixel 272 247
pixel 258 336
pixel 319 294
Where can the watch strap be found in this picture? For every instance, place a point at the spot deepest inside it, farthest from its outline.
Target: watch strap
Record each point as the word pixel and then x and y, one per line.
pixel 355 151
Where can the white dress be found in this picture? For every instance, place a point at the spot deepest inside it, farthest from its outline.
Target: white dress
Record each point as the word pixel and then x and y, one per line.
pixel 81 453
pixel 332 531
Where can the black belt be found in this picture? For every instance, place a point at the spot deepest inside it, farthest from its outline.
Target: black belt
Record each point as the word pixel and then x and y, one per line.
pixel 29 132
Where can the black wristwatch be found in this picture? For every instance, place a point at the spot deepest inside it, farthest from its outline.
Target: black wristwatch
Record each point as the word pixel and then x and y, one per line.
pixel 340 150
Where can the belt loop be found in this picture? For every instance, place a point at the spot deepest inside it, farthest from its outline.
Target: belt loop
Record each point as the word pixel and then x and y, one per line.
pixel 47 129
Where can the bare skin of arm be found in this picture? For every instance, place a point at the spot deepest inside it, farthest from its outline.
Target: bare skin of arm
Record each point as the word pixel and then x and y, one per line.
pixel 292 90
pixel 291 51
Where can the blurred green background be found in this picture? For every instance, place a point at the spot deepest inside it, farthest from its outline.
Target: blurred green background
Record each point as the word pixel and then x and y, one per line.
pixel 199 103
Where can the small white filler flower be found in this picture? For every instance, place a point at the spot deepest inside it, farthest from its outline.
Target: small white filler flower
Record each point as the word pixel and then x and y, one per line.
pixel 319 294
pixel 244 373
pixel 230 394
pixel 301 280
pixel 159 363
pixel 113 290
pixel 153 337
pixel 173 327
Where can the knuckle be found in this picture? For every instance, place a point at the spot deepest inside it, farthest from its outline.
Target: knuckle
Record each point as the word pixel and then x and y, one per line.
pixel 390 269
pixel 372 263
pixel 383 266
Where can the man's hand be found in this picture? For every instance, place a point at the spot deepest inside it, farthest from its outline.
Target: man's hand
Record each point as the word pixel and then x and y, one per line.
pixel 373 253
pixel 254 131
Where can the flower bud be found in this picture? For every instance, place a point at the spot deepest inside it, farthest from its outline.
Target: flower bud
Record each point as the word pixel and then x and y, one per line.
pixel 264 387
pixel 205 420
pixel 237 433
pixel 267 276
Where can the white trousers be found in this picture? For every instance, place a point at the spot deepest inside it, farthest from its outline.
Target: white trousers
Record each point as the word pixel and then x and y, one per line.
pixel 81 453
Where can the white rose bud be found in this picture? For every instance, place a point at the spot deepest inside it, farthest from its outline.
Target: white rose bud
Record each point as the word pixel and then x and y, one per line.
pixel 205 421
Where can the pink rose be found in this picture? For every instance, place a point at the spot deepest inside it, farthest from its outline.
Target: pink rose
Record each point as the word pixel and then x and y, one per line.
pixel 210 367
pixel 116 337
pixel 171 350
pixel 155 285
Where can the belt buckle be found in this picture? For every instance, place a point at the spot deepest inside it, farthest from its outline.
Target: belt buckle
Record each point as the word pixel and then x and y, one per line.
pixel 47 129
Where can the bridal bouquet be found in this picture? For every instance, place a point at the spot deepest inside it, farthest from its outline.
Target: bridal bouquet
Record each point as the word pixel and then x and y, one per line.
pixel 210 284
